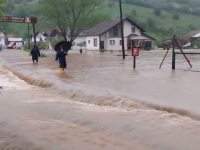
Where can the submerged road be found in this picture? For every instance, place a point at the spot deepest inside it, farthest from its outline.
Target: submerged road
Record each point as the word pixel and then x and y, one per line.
pixel 107 71
pixel 32 118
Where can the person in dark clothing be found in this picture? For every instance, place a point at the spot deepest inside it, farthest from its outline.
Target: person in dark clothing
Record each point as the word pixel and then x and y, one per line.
pixel 35 53
pixel 61 56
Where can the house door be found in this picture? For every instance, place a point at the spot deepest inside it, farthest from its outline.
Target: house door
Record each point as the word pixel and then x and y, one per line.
pixel 148 45
pixel 102 45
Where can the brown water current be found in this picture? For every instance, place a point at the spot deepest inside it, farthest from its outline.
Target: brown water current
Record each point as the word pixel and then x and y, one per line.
pixel 105 79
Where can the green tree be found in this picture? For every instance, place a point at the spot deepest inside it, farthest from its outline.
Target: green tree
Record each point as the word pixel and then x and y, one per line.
pixel 2 6
pixel 157 11
pixel 134 12
pixel 151 23
pixel 9 8
pixel 22 12
pixel 72 16
pixel 192 27
pixel 175 16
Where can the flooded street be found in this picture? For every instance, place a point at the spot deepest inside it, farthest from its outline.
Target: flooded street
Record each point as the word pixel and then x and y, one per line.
pixel 108 73
pixel 35 118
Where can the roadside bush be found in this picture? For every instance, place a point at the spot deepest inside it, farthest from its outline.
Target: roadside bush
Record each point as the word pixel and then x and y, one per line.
pixel 42 45
pixel 26 46
pixel 147 48
pixel 101 50
pixel 159 43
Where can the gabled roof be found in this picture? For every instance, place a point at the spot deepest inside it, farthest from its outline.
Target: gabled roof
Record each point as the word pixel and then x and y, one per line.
pixel 105 26
pixel 148 36
pixel 192 33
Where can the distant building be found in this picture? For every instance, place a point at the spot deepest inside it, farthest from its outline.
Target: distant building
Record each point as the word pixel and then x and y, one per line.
pixel 46 35
pixel 107 35
pixel 2 39
pixel 168 42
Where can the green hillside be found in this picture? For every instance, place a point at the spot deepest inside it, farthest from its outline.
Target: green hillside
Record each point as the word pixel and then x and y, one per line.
pixel 164 23
pixel 160 18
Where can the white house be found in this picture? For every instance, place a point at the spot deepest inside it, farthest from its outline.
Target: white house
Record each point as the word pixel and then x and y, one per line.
pixel 2 39
pixel 107 35
pixel 46 35
pixel 39 37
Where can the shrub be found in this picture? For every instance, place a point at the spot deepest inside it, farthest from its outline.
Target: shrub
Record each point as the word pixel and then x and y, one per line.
pixel 157 11
pixel 148 48
pixel 134 12
pixel 42 45
pixel 175 16
pixel 101 50
pixel 192 27
pixel 151 23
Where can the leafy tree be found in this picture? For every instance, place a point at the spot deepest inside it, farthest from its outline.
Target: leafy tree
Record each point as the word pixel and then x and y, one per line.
pixel 143 25
pixel 134 12
pixel 151 23
pixel 2 6
pixel 192 27
pixel 9 8
pixel 157 11
pixel 22 12
pixel 72 16
pixel 4 28
pixel 175 16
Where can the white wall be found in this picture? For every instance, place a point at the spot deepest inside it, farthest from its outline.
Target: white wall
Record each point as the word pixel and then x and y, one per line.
pixel 2 41
pixel 128 29
pixel 38 38
pixel 78 40
pixel 2 38
pixel 90 46
pixel 117 45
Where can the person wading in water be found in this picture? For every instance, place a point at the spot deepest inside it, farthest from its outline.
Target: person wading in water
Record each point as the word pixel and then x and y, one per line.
pixel 35 53
pixel 61 56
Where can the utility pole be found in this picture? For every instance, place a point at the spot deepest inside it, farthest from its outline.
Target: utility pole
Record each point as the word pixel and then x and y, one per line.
pixel 34 34
pixel 122 29
pixel 29 44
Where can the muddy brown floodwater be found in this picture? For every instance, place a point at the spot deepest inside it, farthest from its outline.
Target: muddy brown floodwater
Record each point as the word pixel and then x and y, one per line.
pixel 106 71
pixel 33 118
pixel 68 115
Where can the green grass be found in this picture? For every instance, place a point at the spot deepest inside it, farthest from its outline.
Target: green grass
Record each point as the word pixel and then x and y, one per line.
pixel 180 26
pixel 166 22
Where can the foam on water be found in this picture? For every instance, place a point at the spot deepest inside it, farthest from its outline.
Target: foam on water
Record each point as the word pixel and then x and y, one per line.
pixel 10 82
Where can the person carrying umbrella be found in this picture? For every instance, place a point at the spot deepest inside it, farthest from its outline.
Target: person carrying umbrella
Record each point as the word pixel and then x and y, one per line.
pixel 35 53
pixel 61 56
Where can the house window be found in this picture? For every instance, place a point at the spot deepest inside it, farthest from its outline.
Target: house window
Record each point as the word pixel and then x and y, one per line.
pixel 84 43
pixel 88 41
pixel 120 42
pixel 115 31
pixel 95 42
pixel 133 29
pixel 112 42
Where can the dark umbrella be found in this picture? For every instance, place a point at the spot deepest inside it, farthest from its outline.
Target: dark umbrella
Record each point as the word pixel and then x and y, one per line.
pixel 65 44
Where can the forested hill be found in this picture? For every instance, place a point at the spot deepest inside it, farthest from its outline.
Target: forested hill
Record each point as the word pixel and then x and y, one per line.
pixel 159 17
